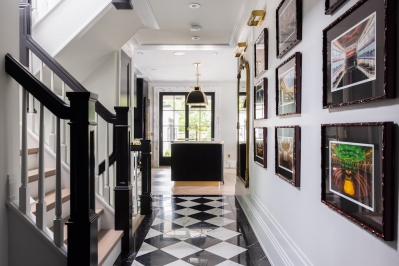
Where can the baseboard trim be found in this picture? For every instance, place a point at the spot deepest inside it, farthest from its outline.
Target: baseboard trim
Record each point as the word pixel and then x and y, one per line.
pixel 284 251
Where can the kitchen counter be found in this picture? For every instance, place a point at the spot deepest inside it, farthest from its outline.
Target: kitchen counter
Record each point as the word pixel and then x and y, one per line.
pixel 197 161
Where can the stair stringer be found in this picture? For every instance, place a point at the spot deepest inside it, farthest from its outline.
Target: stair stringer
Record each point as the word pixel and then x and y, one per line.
pixel 28 245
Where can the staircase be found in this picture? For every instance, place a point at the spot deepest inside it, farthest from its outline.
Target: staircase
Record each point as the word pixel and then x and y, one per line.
pixel 84 34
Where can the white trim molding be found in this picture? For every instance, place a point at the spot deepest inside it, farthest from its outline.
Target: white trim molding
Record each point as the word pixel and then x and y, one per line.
pixel 278 246
pixel 157 90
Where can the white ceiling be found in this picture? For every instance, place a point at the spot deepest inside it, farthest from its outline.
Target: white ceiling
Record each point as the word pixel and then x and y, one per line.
pixel 172 68
pixel 167 30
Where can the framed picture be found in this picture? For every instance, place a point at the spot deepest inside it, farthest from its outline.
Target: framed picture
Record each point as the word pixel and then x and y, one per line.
pixel 288 25
pixel 333 5
pixel 359 55
pixel 260 101
pixel 288 154
pixel 260 146
pixel 261 48
pixel 288 86
pixel 357 174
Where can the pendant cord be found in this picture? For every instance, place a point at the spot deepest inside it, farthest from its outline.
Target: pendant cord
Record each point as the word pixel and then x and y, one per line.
pixel 198 74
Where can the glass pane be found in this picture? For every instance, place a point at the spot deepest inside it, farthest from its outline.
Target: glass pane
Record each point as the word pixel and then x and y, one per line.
pixel 180 102
pixel 166 149
pixel 167 102
pixel 200 123
pixel 242 118
pixel 181 133
pixel 168 118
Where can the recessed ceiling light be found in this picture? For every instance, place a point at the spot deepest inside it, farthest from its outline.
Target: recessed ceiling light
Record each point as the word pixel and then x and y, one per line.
pixel 179 53
pixel 215 53
pixel 195 28
pixel 194 5
pixel 140 52
pixel 195 38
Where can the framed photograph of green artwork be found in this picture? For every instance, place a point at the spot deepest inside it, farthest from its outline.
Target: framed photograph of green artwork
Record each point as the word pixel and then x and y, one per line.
pixel 357 174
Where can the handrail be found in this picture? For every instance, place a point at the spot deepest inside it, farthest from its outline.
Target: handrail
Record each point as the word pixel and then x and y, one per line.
pixel 66 77
pixel 30 83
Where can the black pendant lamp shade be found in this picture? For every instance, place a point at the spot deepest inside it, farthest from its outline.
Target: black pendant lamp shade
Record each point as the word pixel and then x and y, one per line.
pixel 197 97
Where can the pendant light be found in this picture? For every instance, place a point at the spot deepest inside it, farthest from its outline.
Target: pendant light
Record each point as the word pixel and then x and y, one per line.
pixel 196 97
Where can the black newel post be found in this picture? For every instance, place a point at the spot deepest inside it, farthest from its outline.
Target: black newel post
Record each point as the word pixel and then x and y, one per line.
pixel 82 224
pixel 123 189
pixel 145 198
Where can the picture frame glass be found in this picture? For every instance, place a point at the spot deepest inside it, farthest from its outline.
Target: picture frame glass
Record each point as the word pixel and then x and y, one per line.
pixel 259 101
pixel 285 160
pixel 287 33
pixel 355 52
pixel 286 94
pixel 353 171
pixel 259 141
pixel 260 63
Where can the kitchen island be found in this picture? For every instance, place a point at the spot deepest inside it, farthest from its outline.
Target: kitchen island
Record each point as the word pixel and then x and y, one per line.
pixel 197 161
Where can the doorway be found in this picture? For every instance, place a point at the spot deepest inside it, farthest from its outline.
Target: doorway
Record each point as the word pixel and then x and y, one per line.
pixel 179 122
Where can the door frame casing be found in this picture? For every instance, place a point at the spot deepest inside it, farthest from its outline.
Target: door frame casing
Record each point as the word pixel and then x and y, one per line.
pixel 155 112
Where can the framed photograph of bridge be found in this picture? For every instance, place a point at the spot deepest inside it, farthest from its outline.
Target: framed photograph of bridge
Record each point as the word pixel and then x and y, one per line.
pixel 359 55
pixel 288 154
pixel 288 86
pixel 260 146
pixel 288 25
pixel 357 174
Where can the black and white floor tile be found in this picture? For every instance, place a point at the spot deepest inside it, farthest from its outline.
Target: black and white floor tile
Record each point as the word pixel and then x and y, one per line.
pixel 194 230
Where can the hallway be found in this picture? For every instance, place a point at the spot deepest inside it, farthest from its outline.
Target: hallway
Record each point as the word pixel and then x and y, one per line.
pixel 195 230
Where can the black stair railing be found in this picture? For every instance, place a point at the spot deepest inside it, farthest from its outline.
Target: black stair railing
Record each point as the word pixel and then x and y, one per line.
pixel 82 224
pixel 27 45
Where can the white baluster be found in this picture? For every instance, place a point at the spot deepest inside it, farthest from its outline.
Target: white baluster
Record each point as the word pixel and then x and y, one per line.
pixel 107 191
pixel 24 194
pixel 52 119
pixel 31 110
pixel 58 220
pixel 96 177
pixel 41 205
pixel 64 149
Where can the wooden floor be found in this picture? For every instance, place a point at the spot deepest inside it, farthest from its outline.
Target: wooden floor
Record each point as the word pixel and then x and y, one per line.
pixel 162 185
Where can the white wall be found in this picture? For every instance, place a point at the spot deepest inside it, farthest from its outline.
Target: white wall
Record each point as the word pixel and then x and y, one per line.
pixel 225 116
pixel 292 224
pixel 9 127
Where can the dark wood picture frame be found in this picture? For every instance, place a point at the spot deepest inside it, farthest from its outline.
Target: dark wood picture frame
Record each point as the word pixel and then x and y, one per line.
pixel 296 157
pixel 379 139
pixel 332 8
pixel 262 161
pixel 297 61
pixel 298 12
pixel 265 36
pixel 380 83
pixel 264 84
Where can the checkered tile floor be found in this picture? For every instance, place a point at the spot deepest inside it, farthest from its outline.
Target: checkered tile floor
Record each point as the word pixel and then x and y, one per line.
pixel 184 229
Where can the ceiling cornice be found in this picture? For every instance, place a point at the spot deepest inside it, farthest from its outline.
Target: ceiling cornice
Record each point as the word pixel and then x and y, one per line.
pixel 144 10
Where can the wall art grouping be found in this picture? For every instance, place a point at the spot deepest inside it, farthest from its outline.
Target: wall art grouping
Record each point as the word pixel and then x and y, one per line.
pixel 357 179
pixel 288 86
pixel 260 146
pixel 261 55
pixel 359 55
pixel 288 25
pixel 288 153
pixel 260 101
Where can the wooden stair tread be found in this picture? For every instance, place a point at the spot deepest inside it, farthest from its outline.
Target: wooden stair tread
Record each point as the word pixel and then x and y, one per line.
pixel 49 198
pixel 99 213
pixel 33 175
pixel 30 151
pixel 107 240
